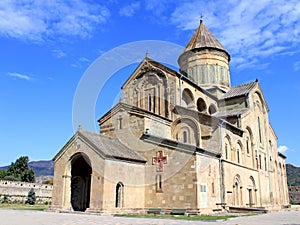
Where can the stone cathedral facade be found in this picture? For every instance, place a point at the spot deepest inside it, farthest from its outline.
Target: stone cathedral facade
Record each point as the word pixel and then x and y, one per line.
pixel 177 140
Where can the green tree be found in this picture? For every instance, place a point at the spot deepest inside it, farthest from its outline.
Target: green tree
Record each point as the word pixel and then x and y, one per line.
pixel 2 174
pixel 31 197
pixel 21 170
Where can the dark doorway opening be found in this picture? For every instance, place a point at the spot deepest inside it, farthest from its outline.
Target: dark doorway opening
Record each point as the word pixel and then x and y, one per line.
pixel 80 183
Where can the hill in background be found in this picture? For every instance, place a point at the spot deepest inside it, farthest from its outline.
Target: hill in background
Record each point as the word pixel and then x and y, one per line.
pixel 293 175
pixel 43 169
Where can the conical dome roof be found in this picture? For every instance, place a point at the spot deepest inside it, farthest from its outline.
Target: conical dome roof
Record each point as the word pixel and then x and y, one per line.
pixel 203 38
pixel 205 61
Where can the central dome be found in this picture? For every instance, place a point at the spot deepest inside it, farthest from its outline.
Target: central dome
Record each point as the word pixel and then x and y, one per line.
pixel 204 60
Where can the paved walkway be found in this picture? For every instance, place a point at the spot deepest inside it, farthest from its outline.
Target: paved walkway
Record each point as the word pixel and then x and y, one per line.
pixel 16 217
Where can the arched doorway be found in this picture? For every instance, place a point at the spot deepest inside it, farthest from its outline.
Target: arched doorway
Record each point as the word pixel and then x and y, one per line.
pixel 119 195
pixel 251 190
pixel 237 192
pixel 80 182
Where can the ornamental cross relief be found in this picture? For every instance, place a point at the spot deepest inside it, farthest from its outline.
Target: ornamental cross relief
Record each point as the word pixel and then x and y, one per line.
pixel 159 160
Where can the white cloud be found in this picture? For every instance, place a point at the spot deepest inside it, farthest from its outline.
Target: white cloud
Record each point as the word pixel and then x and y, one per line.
pixel 58 53
pixel 37 20
pixel 20 76
pixel 249 30
pixel 81 62
pixel 129 10
pixel 297 66
pixel 282 148
pixel 83 59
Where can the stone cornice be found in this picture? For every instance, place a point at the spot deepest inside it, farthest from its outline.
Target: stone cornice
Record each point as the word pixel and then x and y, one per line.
pixel 187 148
pixel 133 110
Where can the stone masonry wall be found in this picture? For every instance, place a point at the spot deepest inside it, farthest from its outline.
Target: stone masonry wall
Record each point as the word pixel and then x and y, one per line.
pixel 294 194
pixel 12 191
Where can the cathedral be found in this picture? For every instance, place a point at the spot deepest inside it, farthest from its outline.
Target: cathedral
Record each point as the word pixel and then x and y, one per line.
pixel 184 140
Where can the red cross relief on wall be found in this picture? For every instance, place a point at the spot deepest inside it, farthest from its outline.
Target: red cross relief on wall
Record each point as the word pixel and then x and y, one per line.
pixel 159 160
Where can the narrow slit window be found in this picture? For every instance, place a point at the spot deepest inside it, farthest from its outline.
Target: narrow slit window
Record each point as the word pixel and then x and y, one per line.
pixel 149 102
pixel 184 136
pixel 158 183
pixel 247 145
pixel 120 125
pixel 259 130
pixel 259 158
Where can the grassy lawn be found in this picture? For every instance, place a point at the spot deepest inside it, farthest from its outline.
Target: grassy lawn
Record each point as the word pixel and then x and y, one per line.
pixel 204 217
pixel 19 206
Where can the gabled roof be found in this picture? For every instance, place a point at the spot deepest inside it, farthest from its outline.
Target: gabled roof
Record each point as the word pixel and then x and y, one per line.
pixel 239 90
pixel 148 63
pixel 107 147
pixel 203 38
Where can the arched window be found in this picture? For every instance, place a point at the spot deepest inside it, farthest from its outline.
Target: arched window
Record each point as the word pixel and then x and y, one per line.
pixel 239 152
pixel 247 145
pixel 212 109
pixel 251 191
pixel 279 168
pixel 184 136
pixel 259 130
pixel 119 195
pixel 237 192
pixel 201 105
pixel 186 131
pixel 265 164
pixel 151 102
pixel 187 99
pixel 227 147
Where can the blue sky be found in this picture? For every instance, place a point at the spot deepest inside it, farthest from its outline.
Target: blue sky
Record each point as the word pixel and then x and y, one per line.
pixel 46 47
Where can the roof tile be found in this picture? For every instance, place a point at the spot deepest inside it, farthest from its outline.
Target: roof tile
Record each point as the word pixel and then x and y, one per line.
pixel 203 38
pixel 239 90
pixel 110 147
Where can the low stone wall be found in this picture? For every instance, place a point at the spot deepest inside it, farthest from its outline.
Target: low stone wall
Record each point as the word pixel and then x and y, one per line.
pixel 12 191
pixel 294 193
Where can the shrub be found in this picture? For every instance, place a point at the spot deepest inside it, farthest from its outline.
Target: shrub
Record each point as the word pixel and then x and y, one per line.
pixel 31 197
pixel 10 178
